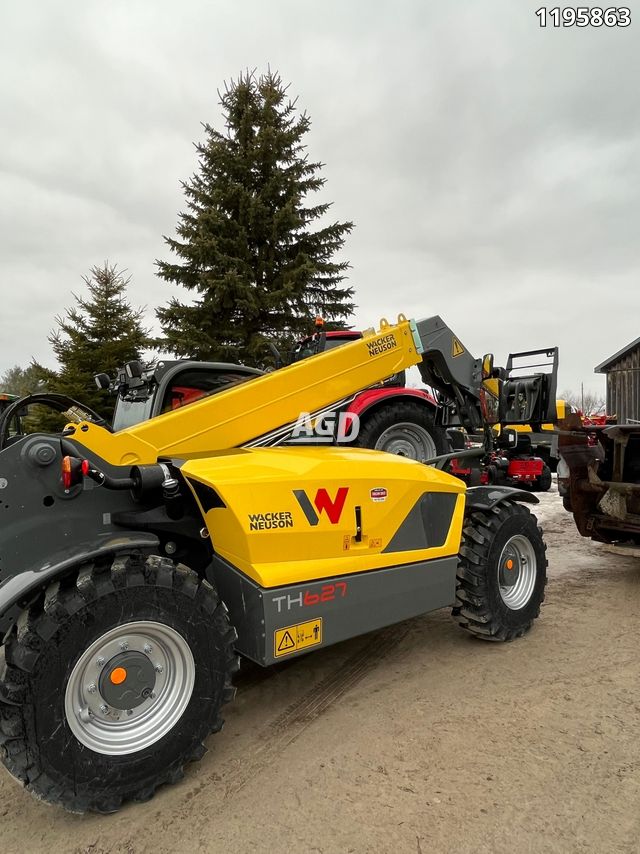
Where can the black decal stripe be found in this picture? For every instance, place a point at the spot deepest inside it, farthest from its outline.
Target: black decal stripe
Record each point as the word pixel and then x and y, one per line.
pixel 282 434
pixel 427 523
pixel 307 509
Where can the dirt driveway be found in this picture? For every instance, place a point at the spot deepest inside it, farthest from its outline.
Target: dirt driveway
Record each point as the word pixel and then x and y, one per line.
pixel 417 738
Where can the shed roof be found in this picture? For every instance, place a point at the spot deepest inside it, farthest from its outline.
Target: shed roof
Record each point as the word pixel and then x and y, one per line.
pixel 602 367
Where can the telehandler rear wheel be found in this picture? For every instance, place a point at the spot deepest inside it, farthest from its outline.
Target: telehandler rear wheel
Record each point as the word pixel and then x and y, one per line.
pixel 110 683
pixel 502 572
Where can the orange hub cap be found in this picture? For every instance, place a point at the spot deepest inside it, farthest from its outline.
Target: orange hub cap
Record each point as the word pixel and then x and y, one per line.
pixel 118 675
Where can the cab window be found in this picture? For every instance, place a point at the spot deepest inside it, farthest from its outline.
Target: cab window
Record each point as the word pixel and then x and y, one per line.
pixel 192 385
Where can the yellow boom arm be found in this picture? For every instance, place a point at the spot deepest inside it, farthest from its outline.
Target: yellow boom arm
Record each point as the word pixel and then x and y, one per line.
pixel 247 411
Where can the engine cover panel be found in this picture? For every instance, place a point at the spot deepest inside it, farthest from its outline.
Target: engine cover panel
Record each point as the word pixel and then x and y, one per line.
pixel 300 514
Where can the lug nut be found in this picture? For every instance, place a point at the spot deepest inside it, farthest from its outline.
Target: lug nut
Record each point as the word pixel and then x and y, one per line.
pixel 104 709
pixel 159 668
pixel 91 688
pixel 124 645
pixel 129 712
pixel 147 648
pixel 100 662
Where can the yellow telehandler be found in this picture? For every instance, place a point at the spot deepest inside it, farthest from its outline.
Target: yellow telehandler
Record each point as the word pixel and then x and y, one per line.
pixel 136 566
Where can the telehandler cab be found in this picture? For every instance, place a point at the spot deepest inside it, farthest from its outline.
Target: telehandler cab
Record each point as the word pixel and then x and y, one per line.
pixel 137 565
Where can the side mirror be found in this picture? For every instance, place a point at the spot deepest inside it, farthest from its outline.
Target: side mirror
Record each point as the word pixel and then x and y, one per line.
pixel 102 381
pixel 134 369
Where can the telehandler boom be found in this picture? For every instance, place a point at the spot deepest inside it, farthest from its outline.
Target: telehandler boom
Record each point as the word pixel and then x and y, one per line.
pixel 135 566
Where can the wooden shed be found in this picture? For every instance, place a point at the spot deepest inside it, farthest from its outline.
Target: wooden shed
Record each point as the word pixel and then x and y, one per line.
pixel 622 371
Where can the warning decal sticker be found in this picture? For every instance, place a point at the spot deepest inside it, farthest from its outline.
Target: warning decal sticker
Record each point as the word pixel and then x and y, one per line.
pixel 286 643
pixel 296 638
pixel 456 348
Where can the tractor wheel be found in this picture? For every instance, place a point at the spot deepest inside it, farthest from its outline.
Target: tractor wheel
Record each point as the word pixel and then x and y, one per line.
pixel 543 483
pixel 502 572
pixel 110 683
pixel 404 428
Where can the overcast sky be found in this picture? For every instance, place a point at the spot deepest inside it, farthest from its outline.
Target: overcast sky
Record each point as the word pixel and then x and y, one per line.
pixel 490 166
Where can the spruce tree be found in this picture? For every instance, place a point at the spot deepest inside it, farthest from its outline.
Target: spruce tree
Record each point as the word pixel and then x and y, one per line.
pixel 245 244
pixel 99 334
pixel 23 381
pixel 35 379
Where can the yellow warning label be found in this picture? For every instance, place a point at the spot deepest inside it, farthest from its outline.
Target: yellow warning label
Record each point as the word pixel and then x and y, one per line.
pixel 295 638
pixel 285 643
pixel 456 348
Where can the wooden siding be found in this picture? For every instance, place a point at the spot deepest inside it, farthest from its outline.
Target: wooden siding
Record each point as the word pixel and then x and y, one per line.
pixel 623 387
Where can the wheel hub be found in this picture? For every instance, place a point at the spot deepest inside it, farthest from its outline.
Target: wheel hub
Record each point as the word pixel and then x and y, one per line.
pixel 127 680
pixel 129 687
pixel 406 439
pixel 517 572
pixel 509 568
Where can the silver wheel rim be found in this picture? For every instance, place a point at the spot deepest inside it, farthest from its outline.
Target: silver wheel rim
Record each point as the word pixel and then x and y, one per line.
pixel 114 731
pixel 407 440
pixel 517 571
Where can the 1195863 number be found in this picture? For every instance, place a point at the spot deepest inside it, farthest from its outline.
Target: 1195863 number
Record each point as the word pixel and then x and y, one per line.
pixel 584 16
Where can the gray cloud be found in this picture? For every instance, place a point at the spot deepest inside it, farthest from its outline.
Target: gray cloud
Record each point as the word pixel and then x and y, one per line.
pixel 490 165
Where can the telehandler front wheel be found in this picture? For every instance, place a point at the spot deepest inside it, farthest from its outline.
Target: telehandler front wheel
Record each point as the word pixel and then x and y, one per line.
pixel 502 572
pixel 110 684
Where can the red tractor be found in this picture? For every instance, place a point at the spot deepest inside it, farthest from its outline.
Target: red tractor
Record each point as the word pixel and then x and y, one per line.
pixel 393 417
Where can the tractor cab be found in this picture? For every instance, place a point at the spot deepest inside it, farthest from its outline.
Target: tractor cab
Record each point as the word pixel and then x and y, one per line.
pixel 321 341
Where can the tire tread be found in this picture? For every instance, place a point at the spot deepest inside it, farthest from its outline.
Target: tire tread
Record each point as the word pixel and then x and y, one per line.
pixel 473 602
pixel 39 623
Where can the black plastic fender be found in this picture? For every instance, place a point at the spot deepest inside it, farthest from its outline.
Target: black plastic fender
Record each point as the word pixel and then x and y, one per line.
pixel 20 587
pixel 486 497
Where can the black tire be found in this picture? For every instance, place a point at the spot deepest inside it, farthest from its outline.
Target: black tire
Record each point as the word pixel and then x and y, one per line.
pixel 380 424
pixel 543 483
pixel 49 638
pixel 479 601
